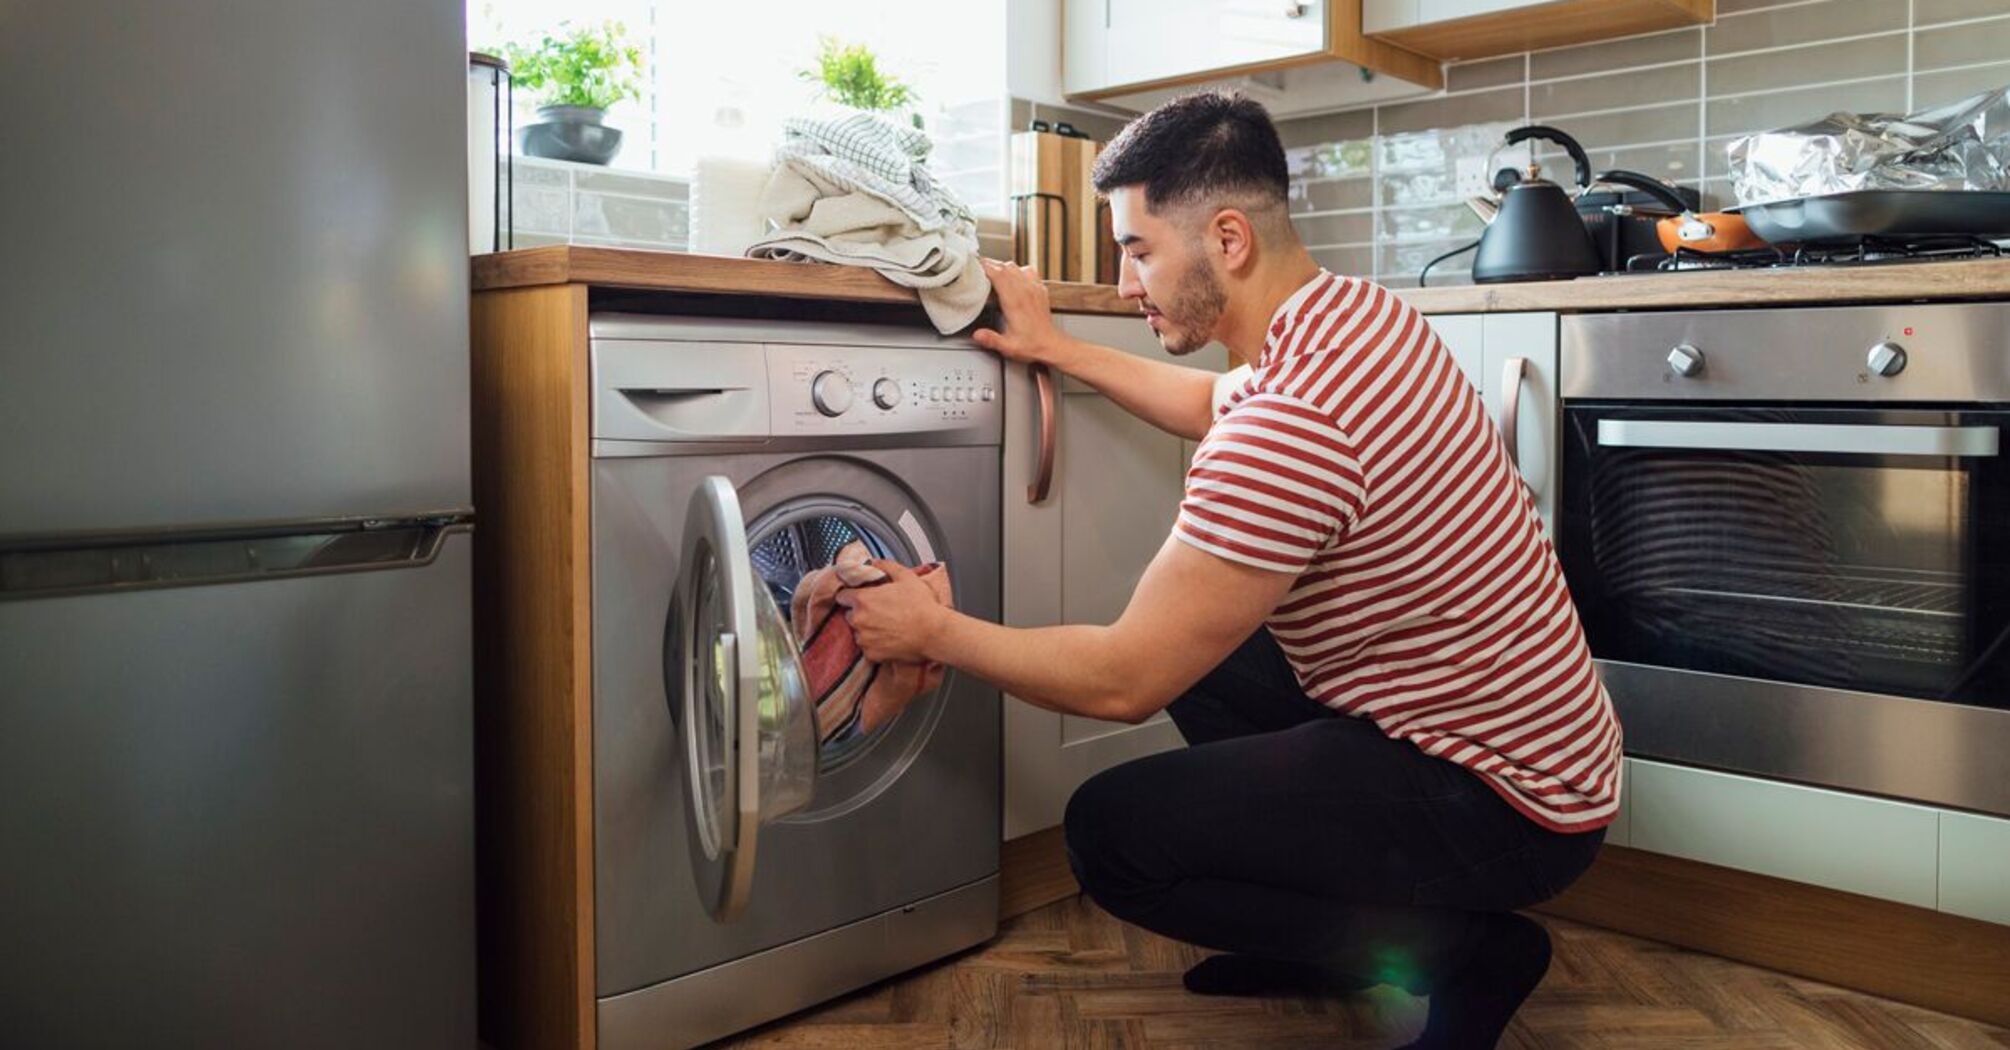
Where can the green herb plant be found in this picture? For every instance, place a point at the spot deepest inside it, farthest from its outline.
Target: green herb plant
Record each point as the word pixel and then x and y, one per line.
pixel 849 75
pixel 593 66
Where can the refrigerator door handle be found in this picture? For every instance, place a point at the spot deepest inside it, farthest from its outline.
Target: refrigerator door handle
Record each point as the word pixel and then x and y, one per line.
pixel 132 560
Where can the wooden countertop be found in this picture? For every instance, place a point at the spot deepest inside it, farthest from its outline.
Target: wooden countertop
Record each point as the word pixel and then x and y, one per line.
pixel 724 275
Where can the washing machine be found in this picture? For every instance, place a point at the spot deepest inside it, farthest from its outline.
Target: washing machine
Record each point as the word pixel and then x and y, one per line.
pixel 746 866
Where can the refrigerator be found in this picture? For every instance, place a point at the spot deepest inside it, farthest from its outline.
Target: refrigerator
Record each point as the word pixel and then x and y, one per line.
pixel 236 745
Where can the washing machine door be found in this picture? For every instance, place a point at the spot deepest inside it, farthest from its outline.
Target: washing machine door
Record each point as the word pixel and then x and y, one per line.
pixel 745 717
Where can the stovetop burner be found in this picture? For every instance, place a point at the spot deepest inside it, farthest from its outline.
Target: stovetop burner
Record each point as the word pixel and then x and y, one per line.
pixel 1861 251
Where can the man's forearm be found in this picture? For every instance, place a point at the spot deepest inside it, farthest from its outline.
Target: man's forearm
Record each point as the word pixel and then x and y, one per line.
pixel 1070 668
pixel 1174 398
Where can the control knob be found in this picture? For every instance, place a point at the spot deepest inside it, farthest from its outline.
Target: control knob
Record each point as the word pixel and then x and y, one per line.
pixel 831 393
pixel 886 393
pixel 1887 358
pixel 1685 360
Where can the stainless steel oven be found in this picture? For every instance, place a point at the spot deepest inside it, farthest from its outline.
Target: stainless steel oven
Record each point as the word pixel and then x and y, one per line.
pixel 1789 535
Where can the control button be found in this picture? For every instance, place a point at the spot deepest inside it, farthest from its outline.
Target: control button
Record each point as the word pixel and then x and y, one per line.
pixel 989 393
pixel 935 393
pixel 886 393
pixel 1685 360
pixel 1887 359
pixel 831 393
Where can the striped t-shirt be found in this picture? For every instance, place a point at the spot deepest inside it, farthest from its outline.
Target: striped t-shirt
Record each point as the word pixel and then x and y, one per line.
pixel 1428 598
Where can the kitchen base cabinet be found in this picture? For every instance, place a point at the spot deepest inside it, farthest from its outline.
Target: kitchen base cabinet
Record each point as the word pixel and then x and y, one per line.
pixel 1510 359
pixel 1075 557
pixel 1975 866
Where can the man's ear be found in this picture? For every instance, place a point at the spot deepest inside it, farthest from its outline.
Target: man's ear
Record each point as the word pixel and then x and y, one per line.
pixel 1233 233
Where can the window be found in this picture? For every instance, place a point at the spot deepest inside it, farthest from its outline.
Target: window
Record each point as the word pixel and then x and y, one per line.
pixel 721 77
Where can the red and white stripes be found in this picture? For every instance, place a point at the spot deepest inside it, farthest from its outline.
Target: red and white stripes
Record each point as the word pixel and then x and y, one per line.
pixel 1428 599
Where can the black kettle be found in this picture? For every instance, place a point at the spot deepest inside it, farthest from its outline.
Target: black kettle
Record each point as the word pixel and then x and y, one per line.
pixel 1534 232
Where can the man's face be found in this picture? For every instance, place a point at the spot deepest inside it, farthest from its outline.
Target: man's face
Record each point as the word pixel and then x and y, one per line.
pixel 1169 271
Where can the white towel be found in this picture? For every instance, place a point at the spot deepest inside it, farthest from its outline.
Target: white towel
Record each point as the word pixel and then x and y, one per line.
pixel 853 187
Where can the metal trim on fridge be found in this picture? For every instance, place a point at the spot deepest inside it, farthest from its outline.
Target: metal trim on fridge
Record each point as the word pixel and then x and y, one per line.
pixel 1919 750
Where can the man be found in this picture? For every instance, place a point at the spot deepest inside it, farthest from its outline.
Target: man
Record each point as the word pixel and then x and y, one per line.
pixel 1397 734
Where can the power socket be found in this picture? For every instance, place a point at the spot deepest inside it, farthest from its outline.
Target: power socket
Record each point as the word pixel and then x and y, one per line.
pixel 1472 178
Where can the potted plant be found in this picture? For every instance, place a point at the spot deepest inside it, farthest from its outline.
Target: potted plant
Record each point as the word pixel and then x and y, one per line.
pixel 849 75
pixel 577 73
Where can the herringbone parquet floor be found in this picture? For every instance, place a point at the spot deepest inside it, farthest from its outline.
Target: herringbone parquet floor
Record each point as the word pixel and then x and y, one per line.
pixel 1070 977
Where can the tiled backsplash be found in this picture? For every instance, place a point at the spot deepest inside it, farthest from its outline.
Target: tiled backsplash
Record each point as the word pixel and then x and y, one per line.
pixel 560 202
pixel 1374 188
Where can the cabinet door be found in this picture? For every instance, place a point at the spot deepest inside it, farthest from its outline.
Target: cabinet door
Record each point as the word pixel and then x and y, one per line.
pixel 1085 42
pixel 1530 388
pixel 1075 558
pixel 1152 40
pixel 1462 334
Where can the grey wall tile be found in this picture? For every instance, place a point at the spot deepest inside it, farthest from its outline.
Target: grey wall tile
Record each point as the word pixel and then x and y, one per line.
pixel 1332 127
pixel 1615 90
pixel 630 219
pixel 1349 262
pixel 1331 194
pixel 1785 108
pixel 1673 162
pixel 1928 12
pixel 1331 160
pixel 1630 53
pixel 1962 45
pixel 1435 223
pixel 1803 25
pixel 1732 7
pixel 1938 89
pixel 1494 72
pixel 1628 127
pixel 634 185
pixel 1806 65
pixel 1716 161
pixel 1395 263
pixel 1325 230
pixel 1478 108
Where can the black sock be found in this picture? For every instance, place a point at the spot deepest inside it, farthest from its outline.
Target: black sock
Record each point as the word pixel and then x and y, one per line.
pixel 1257 975
pixel 1472 1006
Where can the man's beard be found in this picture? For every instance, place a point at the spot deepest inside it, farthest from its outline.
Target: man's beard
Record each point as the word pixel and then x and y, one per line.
pixel 1190 316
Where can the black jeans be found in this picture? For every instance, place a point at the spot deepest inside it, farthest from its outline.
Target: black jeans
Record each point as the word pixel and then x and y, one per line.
pixel 1290 831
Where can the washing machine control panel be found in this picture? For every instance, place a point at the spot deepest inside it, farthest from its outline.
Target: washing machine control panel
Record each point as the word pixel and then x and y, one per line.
pixel 822 390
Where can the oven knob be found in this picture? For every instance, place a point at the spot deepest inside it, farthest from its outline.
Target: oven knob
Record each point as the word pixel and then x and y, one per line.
pixel 886 393
pixel 832 393
pixel 1685 360
pixel 1887 359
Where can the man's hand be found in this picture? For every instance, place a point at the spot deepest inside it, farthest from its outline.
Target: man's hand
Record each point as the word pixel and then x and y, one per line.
pixel 894 621
pixel 1030 334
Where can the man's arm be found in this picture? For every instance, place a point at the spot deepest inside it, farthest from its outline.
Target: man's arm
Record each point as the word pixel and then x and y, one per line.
pixel 1190 610
pixel 1172 397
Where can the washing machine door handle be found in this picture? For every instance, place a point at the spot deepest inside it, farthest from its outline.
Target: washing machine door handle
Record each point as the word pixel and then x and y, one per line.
pixel 744 714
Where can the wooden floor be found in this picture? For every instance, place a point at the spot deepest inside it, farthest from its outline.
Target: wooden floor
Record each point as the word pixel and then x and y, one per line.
pixel 1069 976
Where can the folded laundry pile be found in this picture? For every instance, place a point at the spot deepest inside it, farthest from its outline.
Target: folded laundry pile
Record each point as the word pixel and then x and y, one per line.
pixel 852 187
pixel 854 694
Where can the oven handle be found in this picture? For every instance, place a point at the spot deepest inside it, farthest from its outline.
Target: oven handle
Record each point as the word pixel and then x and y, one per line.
pixel 1799 437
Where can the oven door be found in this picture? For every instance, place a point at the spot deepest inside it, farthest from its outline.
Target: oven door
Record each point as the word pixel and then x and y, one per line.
pixel 1790 566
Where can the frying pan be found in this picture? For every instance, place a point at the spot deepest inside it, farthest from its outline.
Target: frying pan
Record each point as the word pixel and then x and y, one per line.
pixel 1706 231
pixel 1882 213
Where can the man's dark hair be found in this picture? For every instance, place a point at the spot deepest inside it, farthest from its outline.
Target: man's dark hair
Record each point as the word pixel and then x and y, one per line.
pixel 1204 148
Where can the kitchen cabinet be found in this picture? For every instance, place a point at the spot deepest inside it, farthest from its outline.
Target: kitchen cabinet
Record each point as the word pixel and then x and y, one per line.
pixel 1075 557
pixel 1855 843
pixel 1462 30
pixel 1975 866
pixel 1120 50
pixel 1511 359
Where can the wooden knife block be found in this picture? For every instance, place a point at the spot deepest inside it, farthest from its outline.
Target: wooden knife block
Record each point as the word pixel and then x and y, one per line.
pixel 1059 226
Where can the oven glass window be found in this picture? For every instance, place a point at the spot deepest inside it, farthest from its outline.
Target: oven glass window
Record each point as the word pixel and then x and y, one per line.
pixel 1737 541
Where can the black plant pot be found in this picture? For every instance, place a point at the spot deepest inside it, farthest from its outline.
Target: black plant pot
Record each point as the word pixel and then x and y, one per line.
pixel 570 133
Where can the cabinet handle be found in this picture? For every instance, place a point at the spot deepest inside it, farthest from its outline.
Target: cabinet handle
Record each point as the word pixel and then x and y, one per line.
pixel 1295 9
pixel 1511 376
pixel 1043 471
